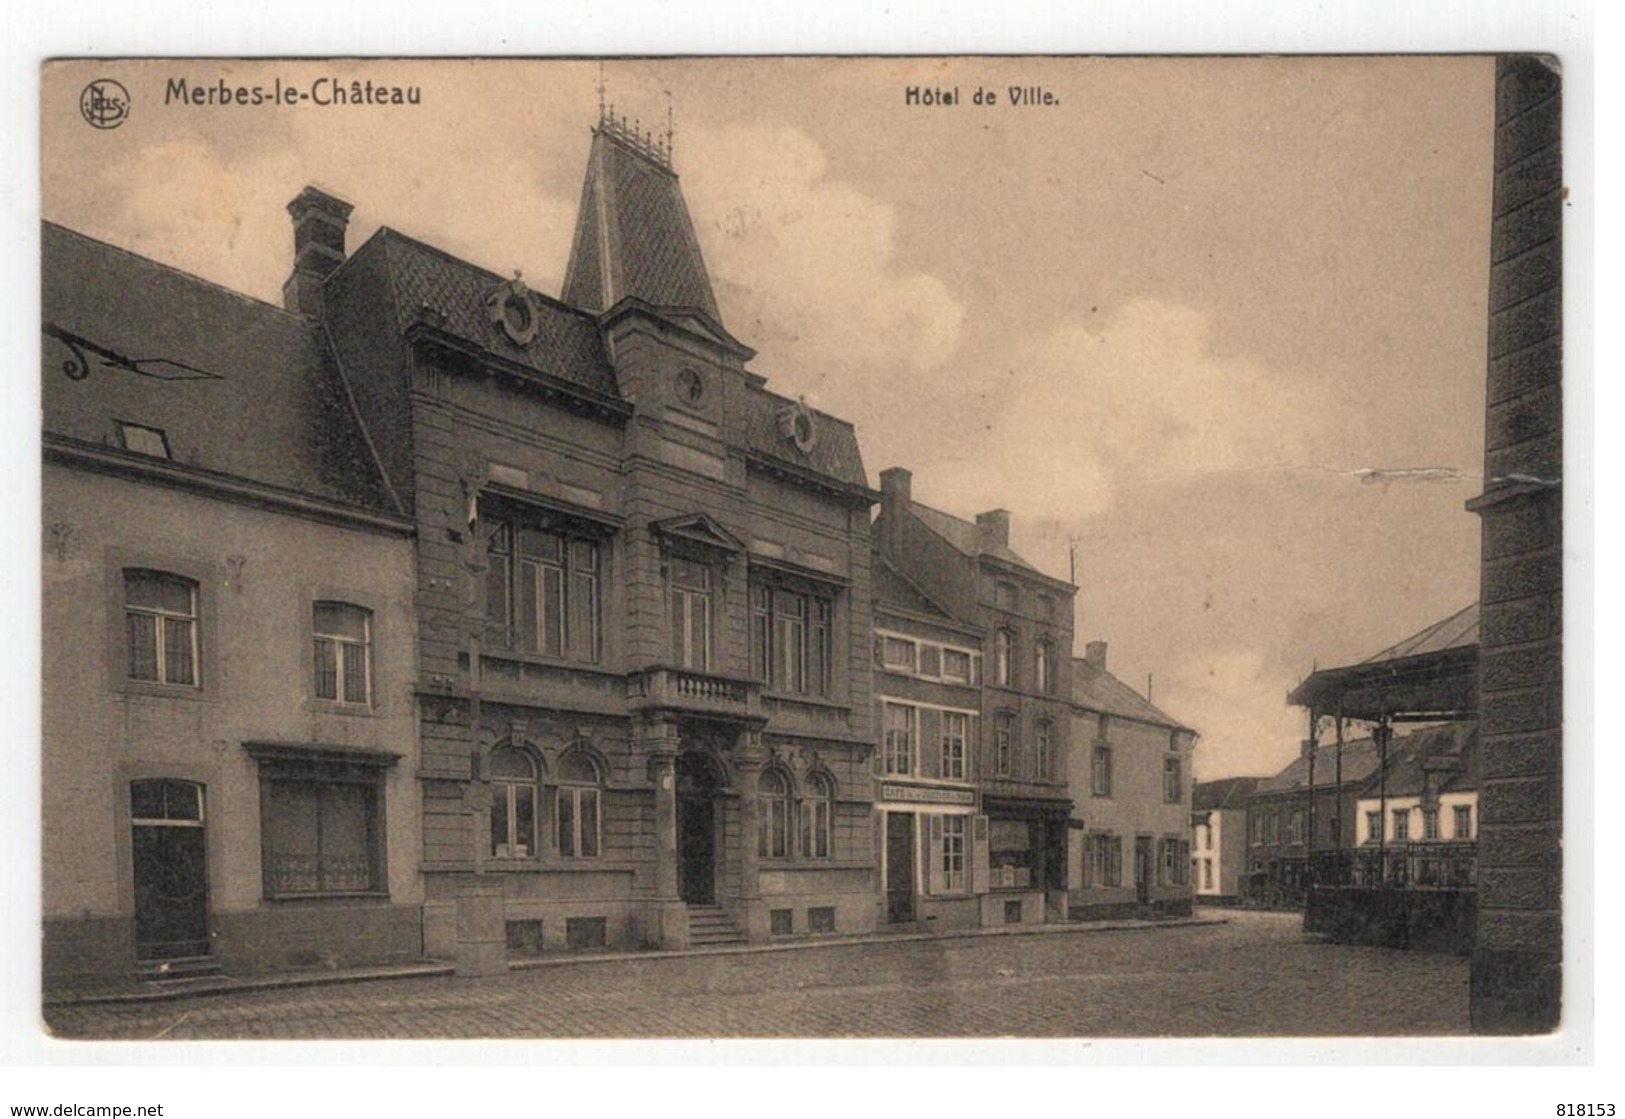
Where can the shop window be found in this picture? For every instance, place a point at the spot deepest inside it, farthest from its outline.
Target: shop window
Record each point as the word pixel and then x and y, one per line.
pixel 513 804
pixel 319 832
pixel 773 816
pixel 343 653
pixel 900 720
pixel 580 807
pixel 542 588
pixel 160 618
pixel 817 811
pixel 955 735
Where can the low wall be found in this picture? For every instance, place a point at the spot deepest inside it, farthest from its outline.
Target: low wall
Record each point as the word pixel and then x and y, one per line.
pixel 1424 920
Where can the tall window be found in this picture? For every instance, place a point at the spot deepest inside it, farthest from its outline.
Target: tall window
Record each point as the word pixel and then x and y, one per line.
pixel 1043 758
pixel 542 588
pixel 160 617
pixel 513 805
pixel 1168 872
pixel 1373 826
pixel 343 653
pixel 1004 730
pixel 899 739
pixel 773 817
pixel 690 614
pixel 953 853
pixel 1004 643
pixel 1172 780
pixel 817 809
pixel 792 643
pixel 1294 827
pixel 1105 862
pixel 1402 825
pixel 1464 821
pixel 1207 874
pixel 1041 667
pixel 1430 823
pixel 580 807
pixel 1100 774
pixel 955 731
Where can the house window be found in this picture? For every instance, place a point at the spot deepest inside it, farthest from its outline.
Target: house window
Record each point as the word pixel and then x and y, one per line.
pixel 513 805
pixel 542 589
pixel 1004 643
pixel 1373 827
pixel 899 739
pixel 791 639
pixel 690 614
pixel 1041 667
pixel 1294 827
pixel 143 440
pixel 319 836
pixel 955 732
pixel 1430 823
pixel 953 854
pixel 773 817
pixel 897 654
pixel 1464 821
pixel 343 653
pixel 1402 825
pixel 1100 774
pixel 160 617
pixel 1172 782
pixel 1003 734
pixel 1043 759
pixel 817 810
pixel 1105 862
pixel 956 666
pixel 580 807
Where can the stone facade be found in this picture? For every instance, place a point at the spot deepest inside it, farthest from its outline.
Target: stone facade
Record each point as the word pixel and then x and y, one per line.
pixel 1517 960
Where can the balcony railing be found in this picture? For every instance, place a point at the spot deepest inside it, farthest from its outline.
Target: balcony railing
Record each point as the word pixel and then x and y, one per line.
pixel 1442 865
pixel 684 689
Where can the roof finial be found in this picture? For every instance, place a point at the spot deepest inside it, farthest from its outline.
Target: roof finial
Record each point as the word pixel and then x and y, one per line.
pixel 670 129
pixel 600 92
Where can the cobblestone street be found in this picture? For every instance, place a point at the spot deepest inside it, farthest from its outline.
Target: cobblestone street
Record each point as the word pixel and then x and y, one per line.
pixel 1253 976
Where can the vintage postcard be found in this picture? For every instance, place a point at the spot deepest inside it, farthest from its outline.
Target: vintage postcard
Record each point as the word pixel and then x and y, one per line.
pixel 959 547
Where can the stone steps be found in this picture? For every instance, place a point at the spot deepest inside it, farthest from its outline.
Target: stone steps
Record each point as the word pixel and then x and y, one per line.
pixel 710 925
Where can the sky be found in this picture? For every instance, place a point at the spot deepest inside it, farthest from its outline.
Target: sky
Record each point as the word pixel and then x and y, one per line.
pixel 1190 321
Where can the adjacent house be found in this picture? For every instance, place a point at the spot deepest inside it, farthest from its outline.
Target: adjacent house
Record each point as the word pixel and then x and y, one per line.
pixel 1418 825
pixel 1129 848
pixel 1219 838
pixel 229 760
pixel 1313 802
pixel 1023 619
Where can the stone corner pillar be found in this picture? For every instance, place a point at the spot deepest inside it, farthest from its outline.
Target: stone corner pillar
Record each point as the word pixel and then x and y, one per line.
pixel 750 758
pixel 658 740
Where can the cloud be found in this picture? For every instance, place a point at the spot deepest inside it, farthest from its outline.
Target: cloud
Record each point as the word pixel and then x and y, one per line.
pixel 1236 701
pixel 806 266
pixel 1140 396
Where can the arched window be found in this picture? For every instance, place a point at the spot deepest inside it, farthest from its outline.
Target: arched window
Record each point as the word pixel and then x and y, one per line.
pixel 160 617
pixel 817 811
pixel 580 804
pixel 773 817
pixel 1041 677
pixel 513 807
pixel 1004 644
pixel 343 653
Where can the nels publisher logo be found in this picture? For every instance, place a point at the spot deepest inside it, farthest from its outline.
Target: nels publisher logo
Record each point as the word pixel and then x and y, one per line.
pixel 104 103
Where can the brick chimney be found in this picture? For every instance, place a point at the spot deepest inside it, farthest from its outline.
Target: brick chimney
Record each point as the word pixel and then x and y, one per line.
pixel 1094 655
pixel 319 223
pixel 896 495
pixel 994 528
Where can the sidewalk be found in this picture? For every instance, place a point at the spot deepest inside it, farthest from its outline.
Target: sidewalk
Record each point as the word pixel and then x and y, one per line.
pixel 135 990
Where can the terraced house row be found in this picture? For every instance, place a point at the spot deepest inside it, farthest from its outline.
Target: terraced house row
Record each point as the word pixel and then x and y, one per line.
pixel 429 615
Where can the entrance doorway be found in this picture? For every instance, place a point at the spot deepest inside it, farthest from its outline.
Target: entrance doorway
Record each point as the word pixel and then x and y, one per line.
pixel 170 863
pixel 899 866
pixel 697 784
pixel 1142 868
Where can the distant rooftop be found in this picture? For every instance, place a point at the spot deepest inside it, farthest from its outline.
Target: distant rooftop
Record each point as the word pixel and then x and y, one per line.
pixel 1096 689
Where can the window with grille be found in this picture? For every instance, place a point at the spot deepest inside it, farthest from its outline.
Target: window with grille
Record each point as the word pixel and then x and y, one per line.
pixel 343 653
pixel 160 618
pixel 319 836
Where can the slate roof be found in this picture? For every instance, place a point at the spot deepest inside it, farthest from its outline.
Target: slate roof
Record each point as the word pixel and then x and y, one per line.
pixel 892 588
pixel 273 410
pixel 633 236
pixel 1410 758
pixel 965 536
pixel 1095 689
pixel 1360 761
pixel 567 345
pixel 1226 792
pixel 1455 632
pixel 753 420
